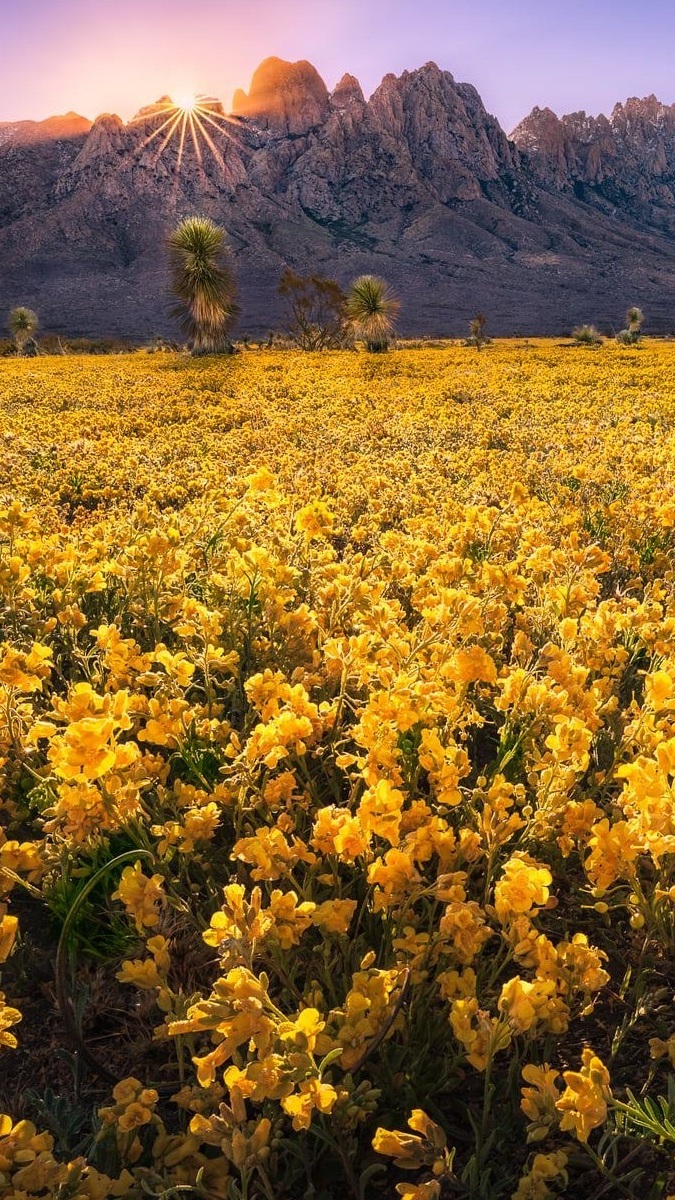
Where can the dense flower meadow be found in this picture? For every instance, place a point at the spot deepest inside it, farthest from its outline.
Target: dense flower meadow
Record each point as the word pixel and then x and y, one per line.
pixel 337 746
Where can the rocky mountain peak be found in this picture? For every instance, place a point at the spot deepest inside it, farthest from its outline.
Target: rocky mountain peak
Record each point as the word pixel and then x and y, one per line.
pixel 56 128
pixel 542 127
pixel 69 124
pixel 347 92
pixel 570 221
pixel 453 141
pixel 284 97
pixel 627 159
pixel 647 108
pixel 103 148
pixel 153 110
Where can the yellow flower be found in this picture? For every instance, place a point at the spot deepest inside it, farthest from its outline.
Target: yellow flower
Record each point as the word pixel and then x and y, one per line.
pixel 430 1190
pixel 140 895
pixel 8 930
pixel 425 1146
pixel 660 690
pixel 312 1095
pixel 395 876
pixel 613 850
pixel 463 924
pixel 527 1004
pixel 523 886
pixel 315 520
pixel 473 664
pixel 544 1169
pixel 289 919
pixel 584 1101
pixel 23 670
pixel 334 916
pixel 539 1100
pixel 380 811
pixel 481 1035
pixel 141 972
pixel 88 750
pixel 8 1018
pixel 260 481
pixel 337 832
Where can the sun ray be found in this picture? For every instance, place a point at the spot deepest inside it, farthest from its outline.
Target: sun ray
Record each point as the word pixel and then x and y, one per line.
pixel 209 141
pixel 181 143
pixel 189 114
pixel 207 115
pixel 172 121
pixel 155 111
pixel 191 118
pixel 169 135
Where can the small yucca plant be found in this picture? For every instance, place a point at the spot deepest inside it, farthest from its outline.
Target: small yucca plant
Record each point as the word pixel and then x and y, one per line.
pixel 202 280
pixel 633 331
pixel 477 331
pixel 371 310
pixel 586 335
pixel 634 318
pixel 23 323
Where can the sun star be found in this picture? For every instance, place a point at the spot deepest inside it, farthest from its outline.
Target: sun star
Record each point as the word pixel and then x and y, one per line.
pixel 185 117
pixel 187 103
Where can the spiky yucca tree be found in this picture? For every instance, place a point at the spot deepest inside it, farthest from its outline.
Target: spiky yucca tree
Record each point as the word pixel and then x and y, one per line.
pixel 633 332
pixel 23 323
pixel 635 318
pixel 371 310
pixel 202 280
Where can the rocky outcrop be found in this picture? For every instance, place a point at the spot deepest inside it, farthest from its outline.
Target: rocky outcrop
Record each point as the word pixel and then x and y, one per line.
pixel 23 133
pixel 420 140
pixel 347 93
pixel 285 98
pixel 570 220
pixel 624 163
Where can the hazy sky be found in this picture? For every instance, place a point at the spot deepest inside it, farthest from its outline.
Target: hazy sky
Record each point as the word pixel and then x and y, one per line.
pixel 115 55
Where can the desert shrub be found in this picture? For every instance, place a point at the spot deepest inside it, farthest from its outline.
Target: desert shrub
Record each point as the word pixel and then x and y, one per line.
pixel 315 311
pixel 586 335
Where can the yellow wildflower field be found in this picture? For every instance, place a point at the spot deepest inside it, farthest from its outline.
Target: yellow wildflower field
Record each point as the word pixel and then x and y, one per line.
pixel 337 746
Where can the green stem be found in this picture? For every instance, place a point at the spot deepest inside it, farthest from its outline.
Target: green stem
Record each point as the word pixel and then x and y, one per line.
pixel 64 1000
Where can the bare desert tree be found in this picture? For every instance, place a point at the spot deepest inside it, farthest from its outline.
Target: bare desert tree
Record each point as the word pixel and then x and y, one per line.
pixel 315 310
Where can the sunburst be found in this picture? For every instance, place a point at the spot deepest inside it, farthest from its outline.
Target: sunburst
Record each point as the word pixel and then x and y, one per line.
pixel 185 120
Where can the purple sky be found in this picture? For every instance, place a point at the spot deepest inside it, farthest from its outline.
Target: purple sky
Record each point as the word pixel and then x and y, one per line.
pixel 115 55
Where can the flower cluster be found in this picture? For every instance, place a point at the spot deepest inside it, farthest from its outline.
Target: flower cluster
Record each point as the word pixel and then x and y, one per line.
pixel 367 668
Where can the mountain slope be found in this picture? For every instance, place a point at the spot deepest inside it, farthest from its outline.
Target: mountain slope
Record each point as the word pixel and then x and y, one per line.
pixel 624 163
pixel 418 183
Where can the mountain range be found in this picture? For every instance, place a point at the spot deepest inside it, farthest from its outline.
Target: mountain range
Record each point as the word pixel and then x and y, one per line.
pixel 566 220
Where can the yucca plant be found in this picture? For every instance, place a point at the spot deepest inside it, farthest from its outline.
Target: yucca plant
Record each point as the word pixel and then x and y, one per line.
pixel 23 323
pixel 633 331
pixel 371 310
pixel 477 335
pixel 202 280
pixel 635 318
pixel 586 335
